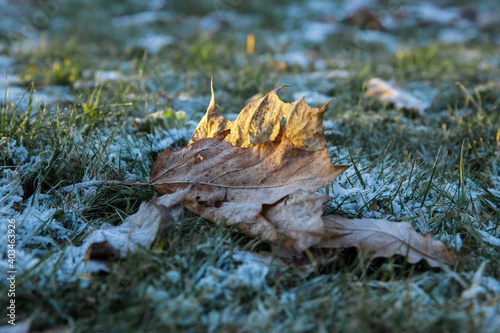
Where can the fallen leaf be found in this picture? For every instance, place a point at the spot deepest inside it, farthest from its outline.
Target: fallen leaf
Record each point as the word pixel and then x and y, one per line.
pixel 262 173
pixel 256 172
pixel 242 185
pixel 382 238
pixel 260 121
pixel 386 92
pixel 144 228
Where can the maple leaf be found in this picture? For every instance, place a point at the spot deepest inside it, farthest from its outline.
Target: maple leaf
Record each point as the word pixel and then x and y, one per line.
pixel 260 121
pixel 244 185
pixel 262 176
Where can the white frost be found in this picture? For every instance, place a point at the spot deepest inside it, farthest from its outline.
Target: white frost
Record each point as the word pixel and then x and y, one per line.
pixel 489 238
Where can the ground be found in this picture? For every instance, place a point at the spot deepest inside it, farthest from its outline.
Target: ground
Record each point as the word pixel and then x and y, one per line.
pixel 93 90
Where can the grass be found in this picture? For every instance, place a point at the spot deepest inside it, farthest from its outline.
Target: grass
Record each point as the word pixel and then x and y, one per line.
pixel 439 171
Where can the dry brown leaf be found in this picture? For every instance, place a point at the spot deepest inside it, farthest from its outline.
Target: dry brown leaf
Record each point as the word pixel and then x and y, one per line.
pixel 260 121
pixel 144 229
pixel 251 172
pixel 262 176
pixel 382 238
pixel 243 185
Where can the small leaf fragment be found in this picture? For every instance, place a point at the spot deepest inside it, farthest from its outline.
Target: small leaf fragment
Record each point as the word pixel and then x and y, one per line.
pixel 142 229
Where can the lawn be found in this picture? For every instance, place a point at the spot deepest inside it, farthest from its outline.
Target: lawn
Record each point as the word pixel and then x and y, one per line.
pixel 93 90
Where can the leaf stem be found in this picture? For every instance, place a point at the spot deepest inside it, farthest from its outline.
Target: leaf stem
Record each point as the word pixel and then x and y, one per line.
pixel 113 182
pixel 100 183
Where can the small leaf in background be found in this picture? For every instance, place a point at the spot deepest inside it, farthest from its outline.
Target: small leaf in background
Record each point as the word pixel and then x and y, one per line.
pixel 386 92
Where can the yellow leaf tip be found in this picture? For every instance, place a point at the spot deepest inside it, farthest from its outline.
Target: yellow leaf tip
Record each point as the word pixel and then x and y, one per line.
pixel 279 88
pixel 212 99
pixel 323 108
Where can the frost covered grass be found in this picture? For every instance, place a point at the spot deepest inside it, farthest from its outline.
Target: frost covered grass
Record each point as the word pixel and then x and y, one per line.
pixel 103 106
